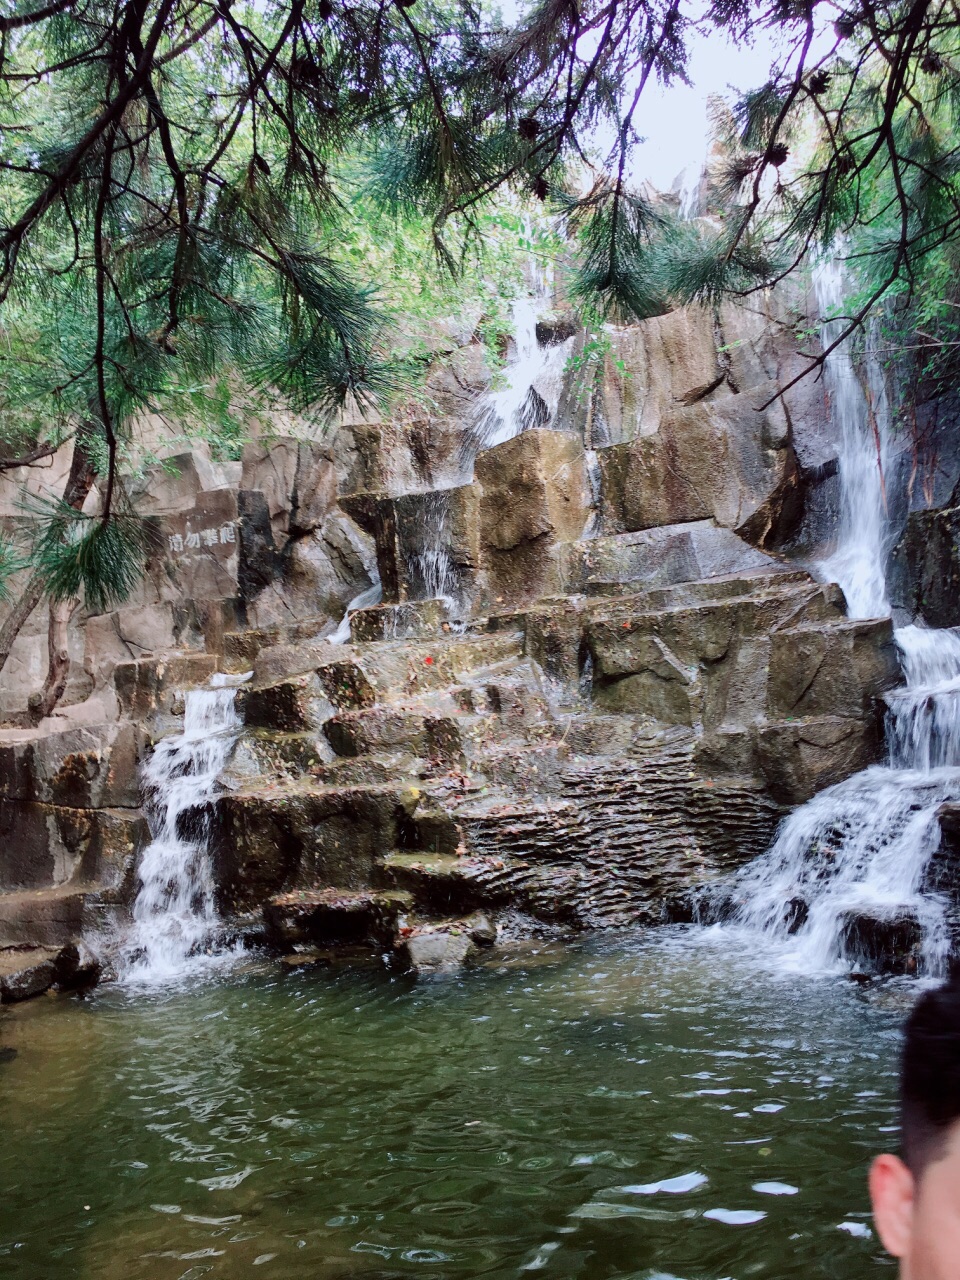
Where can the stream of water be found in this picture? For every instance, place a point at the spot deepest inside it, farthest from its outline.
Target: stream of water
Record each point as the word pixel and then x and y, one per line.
pixel 532 381
pixel 174 914
pixel 622 1110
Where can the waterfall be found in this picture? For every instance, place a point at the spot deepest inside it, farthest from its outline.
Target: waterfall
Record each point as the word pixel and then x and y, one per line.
pixel 860 851
pixel 860 414
pixel 532 383
pixel 174 913
pixel 430 567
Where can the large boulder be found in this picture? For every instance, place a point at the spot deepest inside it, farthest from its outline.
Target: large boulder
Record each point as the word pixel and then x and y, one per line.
pixel 535 497
pixel 426 543
pixel 87 767
pixel 680 432
pixel 298 478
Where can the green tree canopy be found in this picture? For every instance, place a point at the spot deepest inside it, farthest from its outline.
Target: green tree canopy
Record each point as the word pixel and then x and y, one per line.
pixel 184 184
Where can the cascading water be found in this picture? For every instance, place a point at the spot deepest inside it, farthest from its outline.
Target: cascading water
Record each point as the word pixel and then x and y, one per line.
pixel 532 383
pixel 861 850
pixel 430 567
pixel 174 914
pixel 860 415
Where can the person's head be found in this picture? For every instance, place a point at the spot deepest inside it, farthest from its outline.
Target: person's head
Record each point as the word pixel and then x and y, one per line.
pixel 916 1199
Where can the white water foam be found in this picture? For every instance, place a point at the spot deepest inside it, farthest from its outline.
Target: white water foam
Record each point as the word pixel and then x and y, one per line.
pixel 532 382
pixel 861 850
pixel 174 914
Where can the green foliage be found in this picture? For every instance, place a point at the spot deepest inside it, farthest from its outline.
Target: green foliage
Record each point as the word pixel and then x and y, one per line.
pixel 102 558
pixel 11 561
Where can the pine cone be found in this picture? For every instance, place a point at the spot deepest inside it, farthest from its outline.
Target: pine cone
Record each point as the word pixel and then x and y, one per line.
pixel 528 128
pixel 778 153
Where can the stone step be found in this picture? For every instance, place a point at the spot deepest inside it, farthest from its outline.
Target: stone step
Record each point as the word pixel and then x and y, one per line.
pixel 241 648
pixel 377 729
pixel 261 753
pixel 410 619
pixel 331 916
pixel 154 687
pixel 354 676
pixel 373 768
pixel 440 882
pixel 51 917
pixel 269 836
pixel 26 972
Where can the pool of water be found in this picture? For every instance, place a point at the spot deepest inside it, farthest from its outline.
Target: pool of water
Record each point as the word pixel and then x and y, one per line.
pixel 645 1108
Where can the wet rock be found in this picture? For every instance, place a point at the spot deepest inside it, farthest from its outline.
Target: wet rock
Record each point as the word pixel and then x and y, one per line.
pixel 398 621
pixel 259 564
pixel 153 687
pixel 49 845
pixel 840 670
pixel 293 705
pixel 663 556
pixel 440 950
pixel 279 838
pixel 346 685
pixel 332 917
pixel 798 758
pixel 26 973
pixel 426 543
pixel 796 912
pixel 85 767
pixel 925 567
pixel 76 968
pixel 481 929
pixel 883 944
pixel 706 663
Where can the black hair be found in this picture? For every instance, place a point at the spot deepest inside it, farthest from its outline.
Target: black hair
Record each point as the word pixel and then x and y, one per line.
pixel 930 1075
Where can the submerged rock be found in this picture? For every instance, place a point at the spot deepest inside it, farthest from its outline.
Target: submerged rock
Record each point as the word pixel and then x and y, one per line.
pixel 883 944
pixel 441 949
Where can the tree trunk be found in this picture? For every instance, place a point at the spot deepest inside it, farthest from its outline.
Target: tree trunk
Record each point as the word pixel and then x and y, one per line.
pixel 58 670
pixel 83 472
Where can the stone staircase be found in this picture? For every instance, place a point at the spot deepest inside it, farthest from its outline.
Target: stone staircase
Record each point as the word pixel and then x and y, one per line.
pixel 584 761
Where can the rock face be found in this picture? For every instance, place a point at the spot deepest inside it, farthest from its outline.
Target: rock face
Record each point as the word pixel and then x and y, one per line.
pixel 680 431
pixel 587 686
pixel 925 576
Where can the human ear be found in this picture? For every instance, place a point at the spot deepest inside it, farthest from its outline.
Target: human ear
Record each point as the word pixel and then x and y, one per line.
pixel 891 1191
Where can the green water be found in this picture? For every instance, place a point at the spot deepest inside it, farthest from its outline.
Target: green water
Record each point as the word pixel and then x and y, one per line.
pixel 342 1123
